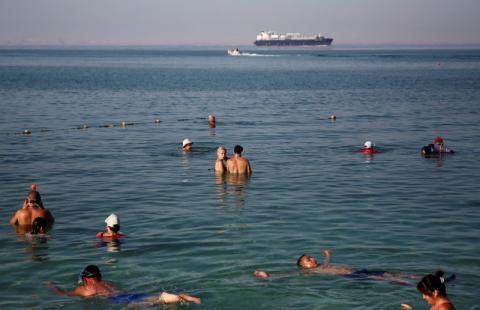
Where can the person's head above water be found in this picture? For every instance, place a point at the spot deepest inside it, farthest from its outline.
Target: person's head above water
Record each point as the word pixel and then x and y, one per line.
pixel 221 152
pixel 238 149
pixel 438 140
pixel 307 262
pixel 113 222
pixel 34 199
pixel 91 272
pixel 187 144
pixel 368 144
pixel 39 226
pixel 211 120
pixel 433 285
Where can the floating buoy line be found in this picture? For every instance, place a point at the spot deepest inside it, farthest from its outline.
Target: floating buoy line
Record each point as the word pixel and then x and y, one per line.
pixel 122 124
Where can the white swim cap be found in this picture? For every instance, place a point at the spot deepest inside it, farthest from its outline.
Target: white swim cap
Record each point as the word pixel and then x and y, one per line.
pixel 368 144
pixel 112 220
pixel 187 141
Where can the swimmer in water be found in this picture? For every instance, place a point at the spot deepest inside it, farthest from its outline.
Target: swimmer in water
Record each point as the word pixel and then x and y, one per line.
pixel 238 164
pixel 438 147
pixel 211 121
pixel 221 158
pixel 31 209
pixel 309 264
pixel 93 285
pixel 187 145
pixel 113 228
pixel 369 148
pixel 433 292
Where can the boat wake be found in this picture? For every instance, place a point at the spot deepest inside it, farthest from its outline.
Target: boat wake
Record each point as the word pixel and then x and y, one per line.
pixel 258 55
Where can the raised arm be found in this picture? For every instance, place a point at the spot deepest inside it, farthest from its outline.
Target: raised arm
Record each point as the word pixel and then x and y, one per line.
pixel 326 257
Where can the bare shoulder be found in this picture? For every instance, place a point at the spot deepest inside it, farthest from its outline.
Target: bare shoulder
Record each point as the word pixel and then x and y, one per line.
pixel 446 306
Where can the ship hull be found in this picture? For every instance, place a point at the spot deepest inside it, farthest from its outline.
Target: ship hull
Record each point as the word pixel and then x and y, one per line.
pixel 307 42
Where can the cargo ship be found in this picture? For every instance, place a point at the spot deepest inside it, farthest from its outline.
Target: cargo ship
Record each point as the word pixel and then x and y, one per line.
pixel 270 38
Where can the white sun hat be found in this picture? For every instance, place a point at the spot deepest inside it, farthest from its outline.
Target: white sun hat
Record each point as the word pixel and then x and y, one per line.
pixel 368 144
pixel 187 141
pixel 112 220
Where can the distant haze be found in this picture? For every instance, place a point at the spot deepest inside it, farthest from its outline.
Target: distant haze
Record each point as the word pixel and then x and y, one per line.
pixel 225 22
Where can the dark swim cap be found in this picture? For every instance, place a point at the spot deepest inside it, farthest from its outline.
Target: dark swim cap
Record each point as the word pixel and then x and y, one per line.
pixel 91 271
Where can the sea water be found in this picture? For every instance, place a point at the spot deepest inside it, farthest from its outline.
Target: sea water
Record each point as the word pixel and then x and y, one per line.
pixel 191 231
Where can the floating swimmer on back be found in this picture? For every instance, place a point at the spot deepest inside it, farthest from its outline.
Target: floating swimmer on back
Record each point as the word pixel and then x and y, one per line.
pixel 369 148
pixel 436 148
pixel 113 228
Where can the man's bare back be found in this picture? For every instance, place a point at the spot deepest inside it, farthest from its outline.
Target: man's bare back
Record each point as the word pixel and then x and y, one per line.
pixel 238 164
pixel 22 217
pixel 31 210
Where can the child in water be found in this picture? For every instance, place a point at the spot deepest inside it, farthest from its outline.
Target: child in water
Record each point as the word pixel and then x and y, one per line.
pixel 113 228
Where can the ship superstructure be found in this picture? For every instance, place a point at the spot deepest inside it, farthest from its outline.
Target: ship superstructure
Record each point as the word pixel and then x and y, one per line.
pixel 270 38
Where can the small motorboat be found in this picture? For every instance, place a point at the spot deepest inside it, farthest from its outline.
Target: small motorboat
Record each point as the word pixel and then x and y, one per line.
pixel 234 52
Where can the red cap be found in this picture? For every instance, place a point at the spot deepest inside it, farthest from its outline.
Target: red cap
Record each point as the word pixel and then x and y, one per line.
pixel 34 187
pixel 438 140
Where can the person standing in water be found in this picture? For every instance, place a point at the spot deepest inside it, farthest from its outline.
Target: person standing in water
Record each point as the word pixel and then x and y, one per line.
pixel 31 209
pixel 238 164
pixel 433 292
pixel 221 158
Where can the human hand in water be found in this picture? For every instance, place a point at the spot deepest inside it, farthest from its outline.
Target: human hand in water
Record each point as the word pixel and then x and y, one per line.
pixel 327 253
pixel 261 274
pixel 406 307
pixel 55 288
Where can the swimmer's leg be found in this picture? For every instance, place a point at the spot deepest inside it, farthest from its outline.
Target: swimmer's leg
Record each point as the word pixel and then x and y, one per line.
pixel 167 298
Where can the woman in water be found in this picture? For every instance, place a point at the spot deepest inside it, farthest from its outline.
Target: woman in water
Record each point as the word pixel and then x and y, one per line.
pixel 433 292
pixel 113 228
pixel 221 158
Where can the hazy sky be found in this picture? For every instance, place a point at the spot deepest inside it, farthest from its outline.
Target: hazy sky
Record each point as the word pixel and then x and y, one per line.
pixel 237 22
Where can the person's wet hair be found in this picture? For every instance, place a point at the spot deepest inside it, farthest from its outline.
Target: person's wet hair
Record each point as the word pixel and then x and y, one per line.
pixel 238 149
pixel 430 283
pixel 92 271
pixel 299 260
pixel 115 228
pixel 39 224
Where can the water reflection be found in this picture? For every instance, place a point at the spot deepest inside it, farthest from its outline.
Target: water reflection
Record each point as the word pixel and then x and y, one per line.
pixel 439 158
pixel 113 245
pixel 231 187
pixel 368 158
pixel 36 243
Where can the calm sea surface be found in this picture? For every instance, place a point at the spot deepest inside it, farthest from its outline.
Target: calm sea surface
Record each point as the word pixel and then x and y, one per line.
pixel 190 231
